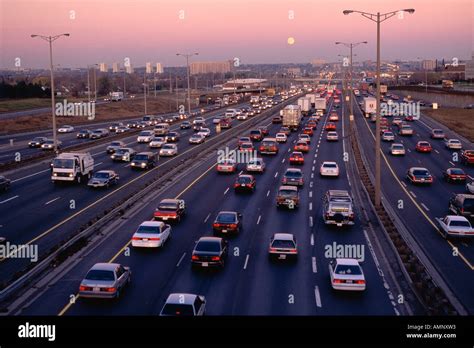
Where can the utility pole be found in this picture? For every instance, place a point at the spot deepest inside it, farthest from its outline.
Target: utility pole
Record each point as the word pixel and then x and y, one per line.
pixel 187 56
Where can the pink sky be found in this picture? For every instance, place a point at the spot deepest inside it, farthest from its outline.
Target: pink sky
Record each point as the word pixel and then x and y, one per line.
pixel 256 31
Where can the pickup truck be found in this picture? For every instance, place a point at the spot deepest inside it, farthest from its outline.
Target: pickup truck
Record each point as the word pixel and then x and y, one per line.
pixel 455 226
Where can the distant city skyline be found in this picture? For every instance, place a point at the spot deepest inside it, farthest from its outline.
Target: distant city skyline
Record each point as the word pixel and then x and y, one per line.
pixel 254 31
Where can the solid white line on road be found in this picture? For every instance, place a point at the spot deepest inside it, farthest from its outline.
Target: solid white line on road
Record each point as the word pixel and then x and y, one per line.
pixel 258 220
pixel 29 176
pixel 283 160
pixel 268 193
pixel 9 199
pixel 246 261
pixel 404 184
pixel 310 221
pixel 436 151
pixel 411 192
pixel 310 194
pixel 276 174
pixel 311 240
pixel 225 192
pixel 207 217
pixel 315 267
pixel 424 206
pixel 310 206
pixel 181 259
pixel 98 164
pixel 51 201
pixel 318 296
pixel 452 163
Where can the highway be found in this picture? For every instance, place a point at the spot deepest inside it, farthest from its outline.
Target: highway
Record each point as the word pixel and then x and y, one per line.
pixel 251 283
pixel 421 204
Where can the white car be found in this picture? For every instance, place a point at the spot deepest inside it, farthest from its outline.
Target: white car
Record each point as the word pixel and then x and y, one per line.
pixel 304 137
pixel 199 120
pixel 346 274
pixel 281 138
pixel 329 169
pixel 49 144
pixel 397 150
pixel 453 144
pixel 216 120
pixel 470 187
pixel 226 165
pixel 242 117
pixel 197 139
pixel 66 129
pixel 206 132
pixel 151 234
pixel 388 136
pixel 145 136
pixel 157 142
pixel 122 129
pixel 169 150
pixel 255 165
pixel 332 136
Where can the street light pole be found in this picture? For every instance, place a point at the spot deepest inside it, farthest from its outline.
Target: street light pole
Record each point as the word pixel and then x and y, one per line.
pixel 378 18
pixel 144 90
pixel 187 56
pixel 95 83
pixel 50 40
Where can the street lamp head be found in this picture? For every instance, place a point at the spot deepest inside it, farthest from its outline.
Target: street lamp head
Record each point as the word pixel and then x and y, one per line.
pixel 66 34
pixel 34 35
pixel 197 53
pixel 338 43
pixel 178 54
pixel 409 10
pixel 346 12
pixel 364 42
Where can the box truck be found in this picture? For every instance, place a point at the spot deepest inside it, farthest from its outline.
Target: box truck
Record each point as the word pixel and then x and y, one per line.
pixel 291 116
pixel 320 104
pixel 72 166
pixel 305 105
pixel 369 106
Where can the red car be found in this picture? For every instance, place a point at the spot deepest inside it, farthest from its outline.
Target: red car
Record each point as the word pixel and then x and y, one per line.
pixel 409 118
pixel 247 146
pixel 423 146
pixel 308 130
pixel 297 158
pixel 225 123
pixel 301 146
pixel 264 130
pixel 467 156
pixel 245 182
pixel 455 175
pixel 330 126
pixel 170 209
pixel 256 135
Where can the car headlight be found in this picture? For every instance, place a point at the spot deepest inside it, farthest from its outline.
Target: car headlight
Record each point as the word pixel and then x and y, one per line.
pixel 133 164
pixel 71 175
pixel 55 174
pixel 143 164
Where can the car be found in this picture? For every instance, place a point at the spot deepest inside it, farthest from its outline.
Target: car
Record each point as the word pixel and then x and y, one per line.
pixel 470 187
pixel 172 137
pixel 311 124
pixel 206 132
pixel 242 116
pixel 329 169
pixel 185 125
pixel 151 234
pixel 105 280
pixel 114 146
pixel 246 147
pixel 83 134
pixel 37 142
pixel 462 204
pixel 453 144
pixel 144 160
pixel 256 135
pixel 132 124
pixel 243 140
pixel 467 157
pixel 255 164
pixel 66 129
pixel 423 146
pixel 397 121
pixel 283 246
pixel 99 133
pixel 405 130
pixel 145 136
pixel 197 139
pixel 209 252
pixel 330 126
pixel 337 208
pixel 347 275
pixel 157 142
pixel 114 126
pixel 170 209
pixel 419 175
pixel 288 196
pixel 122 129
pixel 199 120
pixel 333 117
pixel 142 124
pixel 226 165
pixel 226 123
pixel 332 136
pixel 308 131
pixel 245 182
pixel 169 119
pixel 302 146
pixel 125 154
pixel 455 175
pixel 388 136
pixel 227 222
pixel 437 134
pixel 305 137
pixel 217 119
pixel 49 144
pixel 293 176
pixel 169 150
pixel 4 183
pixel 269 146
pixel 454 226
pixel 296 157
pixel 397 149
pixel 281 138
pixel 264 130
pixel 409 118
pixel 285 130
pixel 198 126
pixel 276 119
pixel 182 304
pixel 103 178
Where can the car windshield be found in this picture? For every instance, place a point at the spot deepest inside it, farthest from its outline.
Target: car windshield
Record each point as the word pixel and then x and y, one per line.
pixel 469 152
pixel 468 205
pixel 293 174
pixel 171 206
pixel 115 143
pixel 421 172
pixel 329 165
pixel 287 193
pixel 121 151
pixel 97 274
pixel 158 139
pixel 208 245
pixel 148 229
pixel 244 180
pixel 397 147
pixel 348 270
pixel 178 309
pixel 437 131
pixel 246 146
pixel 283 244
pixel 456 223
pixel 140 158
pixel 38 139
pixel 255 132
pixel 101 175
pixel 168 147
pixel 63 163
pixel 226 218
pixel 145 133
pixel 424 144
pixel 268 143
pixel 454 141
pixel 457 171
pixel 388 134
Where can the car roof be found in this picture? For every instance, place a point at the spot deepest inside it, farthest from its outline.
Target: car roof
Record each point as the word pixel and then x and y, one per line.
pixel 293 170
pixel 105 266
pixel 105 171
pixel 457 217
pixel 283 236
pixel 180 298
pixel 152 223
pixel 269 139
pixel 245 176
pixel 329 162
pixel 148 153
pixel 227 212
pixel 418 168
pixel 169 200
pixel 342 261
pixel 210 239
pixel 288 187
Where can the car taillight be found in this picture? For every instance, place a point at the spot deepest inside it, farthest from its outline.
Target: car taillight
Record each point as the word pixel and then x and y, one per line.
pixel 136 238
pixel 110 289
pixel 249 185
pixel 195 257
pixel 360 282
pixel 272 249
pixel 293 251
pixel 233 226
pixel 215 258
pixel 154 238
pixel 338 281
pixel 84 288
pixel 216 225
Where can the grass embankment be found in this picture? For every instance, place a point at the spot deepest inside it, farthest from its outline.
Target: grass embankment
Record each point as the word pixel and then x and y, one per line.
pixel 459 120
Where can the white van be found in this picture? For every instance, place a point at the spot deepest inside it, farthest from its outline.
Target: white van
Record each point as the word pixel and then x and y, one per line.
pixel 161 128
pixel 232 113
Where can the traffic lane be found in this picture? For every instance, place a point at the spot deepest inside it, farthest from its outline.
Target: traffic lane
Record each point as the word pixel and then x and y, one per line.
pixel 422 228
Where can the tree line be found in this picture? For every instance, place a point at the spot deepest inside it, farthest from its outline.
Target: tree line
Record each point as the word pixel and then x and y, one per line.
pixel 23 90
